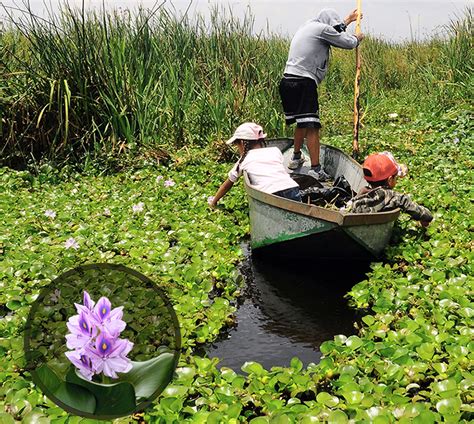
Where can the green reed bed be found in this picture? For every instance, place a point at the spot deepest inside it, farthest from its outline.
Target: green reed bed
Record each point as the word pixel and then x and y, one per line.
pixel 91 85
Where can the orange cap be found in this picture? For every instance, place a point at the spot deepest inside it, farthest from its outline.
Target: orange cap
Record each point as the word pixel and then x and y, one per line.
pixel 379 167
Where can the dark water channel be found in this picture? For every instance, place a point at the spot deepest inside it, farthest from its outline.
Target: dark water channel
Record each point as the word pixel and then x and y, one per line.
pixel 289 310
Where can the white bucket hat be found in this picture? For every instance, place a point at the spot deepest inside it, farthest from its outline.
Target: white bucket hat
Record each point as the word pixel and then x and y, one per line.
pixel 247 131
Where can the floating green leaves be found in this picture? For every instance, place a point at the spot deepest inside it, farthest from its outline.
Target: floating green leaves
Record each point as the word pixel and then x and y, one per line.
pixel 412 358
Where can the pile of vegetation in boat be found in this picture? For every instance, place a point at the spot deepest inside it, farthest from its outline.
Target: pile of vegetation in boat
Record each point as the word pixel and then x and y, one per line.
pixel 329 194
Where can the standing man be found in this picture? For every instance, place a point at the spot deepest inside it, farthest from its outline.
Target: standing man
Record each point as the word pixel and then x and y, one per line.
pixel 306 67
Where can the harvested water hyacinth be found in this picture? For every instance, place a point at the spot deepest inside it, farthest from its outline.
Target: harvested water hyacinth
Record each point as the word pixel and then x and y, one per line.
pixel 93 339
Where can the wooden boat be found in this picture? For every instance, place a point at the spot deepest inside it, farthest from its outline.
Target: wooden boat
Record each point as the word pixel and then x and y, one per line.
pixel 288 228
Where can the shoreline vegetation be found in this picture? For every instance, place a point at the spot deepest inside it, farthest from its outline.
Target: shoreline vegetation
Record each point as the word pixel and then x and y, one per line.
pixel 112 130
pixel 84 87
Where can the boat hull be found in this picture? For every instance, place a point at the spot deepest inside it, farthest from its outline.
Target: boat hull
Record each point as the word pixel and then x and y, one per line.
pixel 290 228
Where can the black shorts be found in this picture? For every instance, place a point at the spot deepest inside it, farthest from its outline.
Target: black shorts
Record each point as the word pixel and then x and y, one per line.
pixel 299 97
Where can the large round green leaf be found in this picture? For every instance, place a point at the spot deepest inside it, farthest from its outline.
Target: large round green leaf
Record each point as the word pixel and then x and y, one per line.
pixel 115 399
pixel 152 376
pixel 68 393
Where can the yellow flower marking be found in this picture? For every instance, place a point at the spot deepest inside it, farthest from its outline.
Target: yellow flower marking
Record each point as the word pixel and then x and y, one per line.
pixel 104 346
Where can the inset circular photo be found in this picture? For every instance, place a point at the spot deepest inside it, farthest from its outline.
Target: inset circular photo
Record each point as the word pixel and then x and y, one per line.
pixel 102 341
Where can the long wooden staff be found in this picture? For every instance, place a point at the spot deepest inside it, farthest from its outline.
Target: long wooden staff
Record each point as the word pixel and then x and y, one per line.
pixel 355 141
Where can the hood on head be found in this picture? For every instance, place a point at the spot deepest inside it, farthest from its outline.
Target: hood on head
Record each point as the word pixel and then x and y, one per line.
pixel 328 17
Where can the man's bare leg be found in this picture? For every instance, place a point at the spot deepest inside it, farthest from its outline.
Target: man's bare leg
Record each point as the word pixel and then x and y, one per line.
pixel 299 135
pixel 297 159
pixel 312 141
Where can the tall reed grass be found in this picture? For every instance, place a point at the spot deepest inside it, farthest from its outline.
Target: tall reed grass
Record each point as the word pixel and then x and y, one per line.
pixel 99 85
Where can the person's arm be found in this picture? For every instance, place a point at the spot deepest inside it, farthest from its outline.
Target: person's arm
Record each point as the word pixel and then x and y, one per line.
pixel 341 39
pixel 338 37
pixel 352 17
pixel 223 189
pixel 416 211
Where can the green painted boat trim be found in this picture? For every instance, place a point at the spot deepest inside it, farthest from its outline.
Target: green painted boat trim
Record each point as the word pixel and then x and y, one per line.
pixel 282 238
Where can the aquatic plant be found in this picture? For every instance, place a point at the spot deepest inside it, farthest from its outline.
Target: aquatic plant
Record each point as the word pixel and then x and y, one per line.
pixel 408 360
pixel 94 339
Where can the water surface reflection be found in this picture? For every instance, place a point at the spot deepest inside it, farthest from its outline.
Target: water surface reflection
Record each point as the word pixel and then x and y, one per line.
pixel 289 310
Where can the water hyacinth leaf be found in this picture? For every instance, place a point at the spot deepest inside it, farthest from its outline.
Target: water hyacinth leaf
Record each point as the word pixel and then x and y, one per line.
pixel 48 377
pixel 253 368
pixel 337 417
pixel 112 399
pixel 76 397
pixel 340 339
pixel 444 386
pixel 33 417
pixel 234 410
pixel 228 374
pixel 353 342
pixel 70 394
pixel 425 417
pixel 259 420
pixel 426 351
pixel 353 397
pixel 368 319
pixel 327 399
pixel 185 373
pixel 280 419
pixel 6 418
pixel 13 305
pixel 175 391
pixel 296 364
pixel 449 406
pixel 150 376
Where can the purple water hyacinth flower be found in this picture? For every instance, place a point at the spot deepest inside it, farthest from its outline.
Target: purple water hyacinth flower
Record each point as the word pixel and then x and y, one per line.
pixel 82 362
pixel 138 207
pixel 82 329
pixel 109 355
pixel 107 319
pixel 94 339
pixel 169 183
pixel 50 213
pixel 102 310
pixel 71 243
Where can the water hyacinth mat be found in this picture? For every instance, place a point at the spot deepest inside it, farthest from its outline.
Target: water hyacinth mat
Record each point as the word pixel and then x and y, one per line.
pixel 102 341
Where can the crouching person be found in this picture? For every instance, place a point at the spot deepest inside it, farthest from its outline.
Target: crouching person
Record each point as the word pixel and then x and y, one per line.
pixel 381 171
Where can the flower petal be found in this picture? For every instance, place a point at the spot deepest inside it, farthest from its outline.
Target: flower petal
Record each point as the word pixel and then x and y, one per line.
pixel 88 302
pixel 102 308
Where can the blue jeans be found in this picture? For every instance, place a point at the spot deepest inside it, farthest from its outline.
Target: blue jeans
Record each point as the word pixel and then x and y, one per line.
pixel 292 193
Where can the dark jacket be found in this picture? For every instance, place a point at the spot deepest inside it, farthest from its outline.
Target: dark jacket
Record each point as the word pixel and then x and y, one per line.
pixel 381 199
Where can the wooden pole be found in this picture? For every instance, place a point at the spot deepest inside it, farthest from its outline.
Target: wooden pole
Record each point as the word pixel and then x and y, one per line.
pixel 355 140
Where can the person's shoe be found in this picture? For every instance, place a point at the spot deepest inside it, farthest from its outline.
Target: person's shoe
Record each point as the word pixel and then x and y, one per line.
pixel 318 173
pixel 296 162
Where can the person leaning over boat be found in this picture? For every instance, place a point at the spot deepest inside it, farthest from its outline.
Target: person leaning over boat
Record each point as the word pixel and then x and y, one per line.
pixel 305 68
pixel 381 171
pixel 264 165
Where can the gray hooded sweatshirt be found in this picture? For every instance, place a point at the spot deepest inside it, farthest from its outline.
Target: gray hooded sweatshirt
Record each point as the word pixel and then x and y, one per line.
pixel 310 46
